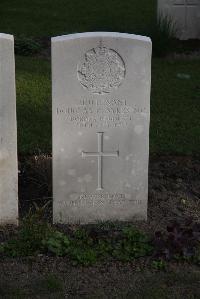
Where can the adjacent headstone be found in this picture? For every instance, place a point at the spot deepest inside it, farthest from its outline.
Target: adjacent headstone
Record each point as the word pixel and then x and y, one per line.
pixel 8 133
pixel 101 109
pixel 185 15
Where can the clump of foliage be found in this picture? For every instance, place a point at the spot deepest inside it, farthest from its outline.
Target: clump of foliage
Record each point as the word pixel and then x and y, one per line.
pixel 179 242
pixel 132 244
pixel 159 264
pixel 162 33
pixel 84 247
pixel 26 46
pixel 87 246
pixel 56 243
pixel 29 241
pixel 79 247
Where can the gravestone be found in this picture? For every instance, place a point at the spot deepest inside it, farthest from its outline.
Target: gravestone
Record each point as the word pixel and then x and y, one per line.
pixel 101 109
pixel 8 133
pixel 185 15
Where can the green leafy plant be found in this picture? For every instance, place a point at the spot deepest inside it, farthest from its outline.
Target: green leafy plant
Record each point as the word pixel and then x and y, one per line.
pixel 29 241
pixel 83 255
pixel 82 246
pixel 82 249
pixel 104 248
pixel 159 264
pixel 57 243
pixel 133 244
pixel 26 46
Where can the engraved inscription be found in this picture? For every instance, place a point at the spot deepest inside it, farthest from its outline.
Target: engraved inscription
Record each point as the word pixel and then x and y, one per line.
pixel 100 154
pixel 102 199
pixel 101 71
pixel 101 113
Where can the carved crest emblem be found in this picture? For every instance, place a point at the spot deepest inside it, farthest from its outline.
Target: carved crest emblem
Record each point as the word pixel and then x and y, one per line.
pixel 102 70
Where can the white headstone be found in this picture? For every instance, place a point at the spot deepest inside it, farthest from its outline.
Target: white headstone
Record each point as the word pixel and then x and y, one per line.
pixel 101 109
pixel 8 133
pixel 185 15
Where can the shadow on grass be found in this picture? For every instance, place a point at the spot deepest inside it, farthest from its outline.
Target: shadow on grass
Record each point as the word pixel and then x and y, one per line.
pixel 175 106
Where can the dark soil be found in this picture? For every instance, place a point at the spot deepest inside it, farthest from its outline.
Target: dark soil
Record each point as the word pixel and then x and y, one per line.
pixel 174 189
pixel 46 278
pixel 174 194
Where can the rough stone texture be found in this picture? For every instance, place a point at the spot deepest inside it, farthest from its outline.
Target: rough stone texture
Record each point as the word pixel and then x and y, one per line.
pixel 101 109
pixel 185 15
pixel 8 137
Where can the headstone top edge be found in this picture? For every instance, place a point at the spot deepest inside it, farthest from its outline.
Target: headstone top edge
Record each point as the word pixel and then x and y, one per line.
pixel 6 36
pixel 100 34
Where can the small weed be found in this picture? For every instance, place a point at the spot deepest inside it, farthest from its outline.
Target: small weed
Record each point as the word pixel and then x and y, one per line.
pixel 133 244
pixel 26 46
pixel 26 244
pixel 33 230
pixel 82 236
pixel 41 167
pixel 57 243
pixel 85 256
pixel 159 264
pixel 104 248
pixel 82 249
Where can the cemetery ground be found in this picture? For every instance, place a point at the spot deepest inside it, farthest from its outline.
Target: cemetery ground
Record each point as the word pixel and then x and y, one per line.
pixel 138 268
pixel 106 260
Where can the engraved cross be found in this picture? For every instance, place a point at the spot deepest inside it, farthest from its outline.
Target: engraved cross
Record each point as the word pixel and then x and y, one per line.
pixel 100 154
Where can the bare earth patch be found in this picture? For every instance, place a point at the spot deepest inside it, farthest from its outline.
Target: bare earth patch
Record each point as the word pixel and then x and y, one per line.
pixel 56 278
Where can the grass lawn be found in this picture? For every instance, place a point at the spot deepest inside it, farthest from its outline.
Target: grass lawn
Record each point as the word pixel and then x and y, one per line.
pixel 175 106
pixel 49 17
pixel 33 105
pixel 174 101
